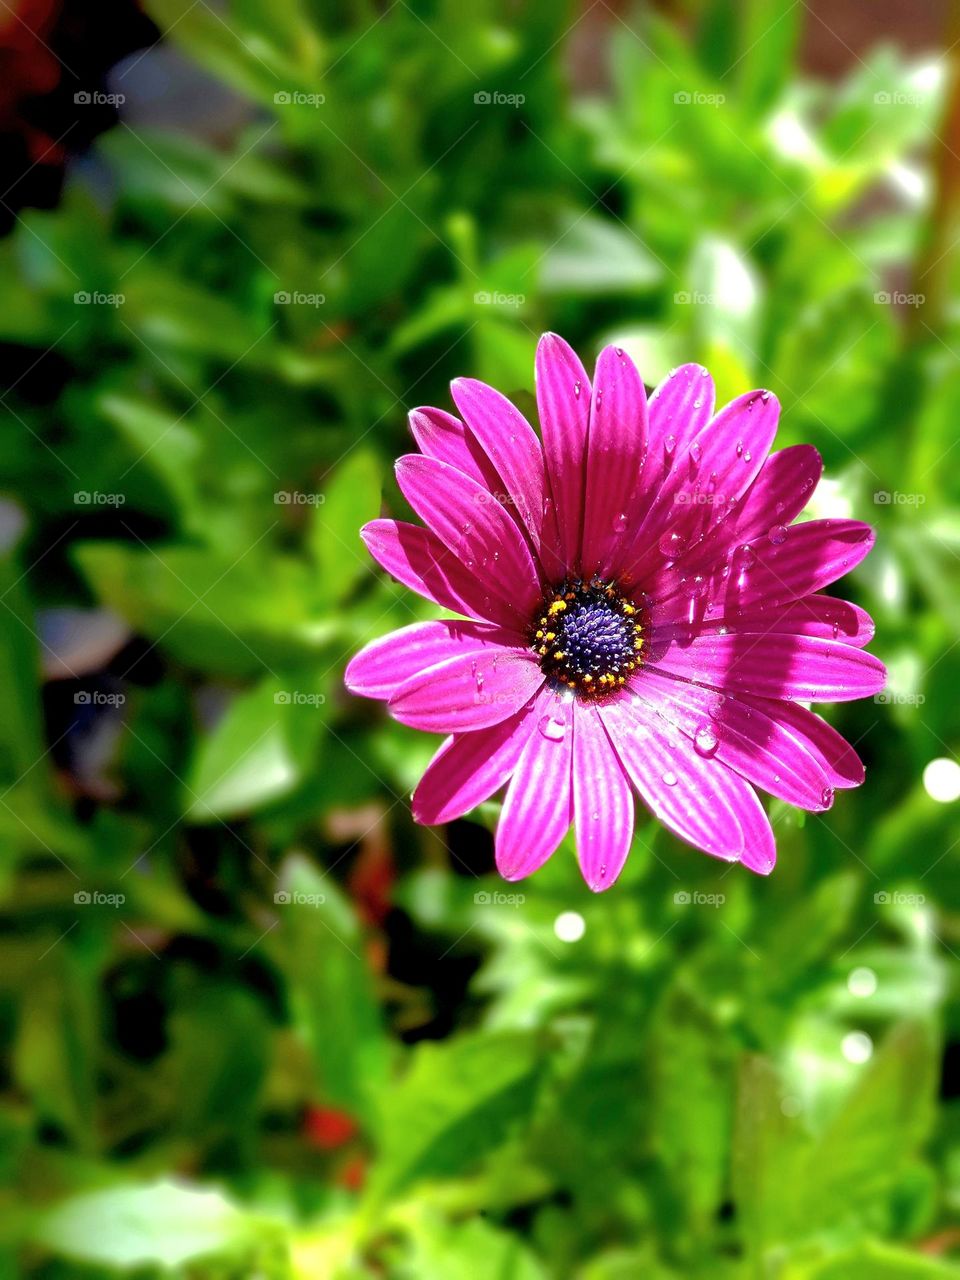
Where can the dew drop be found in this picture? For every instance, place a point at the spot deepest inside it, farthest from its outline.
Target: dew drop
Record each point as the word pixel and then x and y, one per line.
pixel 739 448
pixel 670 778
pixel 695 452
pixel 705 739
pixel 577 389
pixel 597 398
pixel 777 534
pixel 620 523
pixel 671 545
pixel 552 728
pixel 826 797
pixel 669 444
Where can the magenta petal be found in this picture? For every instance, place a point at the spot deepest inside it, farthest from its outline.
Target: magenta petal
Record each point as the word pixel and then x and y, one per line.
pixel 378 670
pixel 748 735
pixel 417 558
pixel 563 403
pixel 469 768
pixel 702 801
pixel 469 691
pixel 797 668
pixel 472 525
pixel 707 477
pixel 514 449
pixel 835 755
pixel 680 407
pixel 442 436
pixel 782 489
pixel 824 616
pixel 602 801
pixel 537 809
pixel 615 457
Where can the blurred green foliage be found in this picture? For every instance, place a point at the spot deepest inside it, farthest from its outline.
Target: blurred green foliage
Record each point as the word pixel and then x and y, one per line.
pixel 257 1023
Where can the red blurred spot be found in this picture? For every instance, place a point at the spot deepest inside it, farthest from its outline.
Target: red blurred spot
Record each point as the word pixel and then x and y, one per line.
pixel 328 1128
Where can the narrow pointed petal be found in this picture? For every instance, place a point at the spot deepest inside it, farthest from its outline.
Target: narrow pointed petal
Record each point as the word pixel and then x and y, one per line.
pixel 417 558
pixel 702 801
pixel 469 768
pixel 680 407
pixel 538 807
pixel 472 526
pixel 514 449
pixel 442 436
pixel 823 616
pixel 469 691
pixel 796 668
pixel 602 801
pixel 615 459
pixel 563 403
pixel 379 670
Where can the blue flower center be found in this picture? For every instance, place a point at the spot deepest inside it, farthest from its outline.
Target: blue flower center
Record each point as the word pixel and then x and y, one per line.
pixel 588 636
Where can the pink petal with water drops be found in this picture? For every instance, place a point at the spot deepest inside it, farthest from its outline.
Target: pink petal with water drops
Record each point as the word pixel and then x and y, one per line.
pixel 797 668
pixel 417 558
pixel 469 768
pixel 710 475
pixel 700 800
pixel 473 526
pixel 741 734
pixel 824 616
pixel 385 664
pixel 563 404
pixel 442 436
pixel 514 449
pixel 537 809
pixel 615 458
pixel 602 801
pixel 678 410
pixel 835 755
pixel 469 691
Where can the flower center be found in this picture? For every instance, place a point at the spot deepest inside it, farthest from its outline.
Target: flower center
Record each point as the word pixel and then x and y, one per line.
pixel 588 636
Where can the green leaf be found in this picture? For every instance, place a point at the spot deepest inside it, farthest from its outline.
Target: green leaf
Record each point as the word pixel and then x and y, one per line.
pixel 159 1223
pixel 457 1103
pixel 351 498
pixel 261 749
pixel 320 949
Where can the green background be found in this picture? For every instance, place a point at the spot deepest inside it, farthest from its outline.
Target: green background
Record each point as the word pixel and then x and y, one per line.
pixel 397 1067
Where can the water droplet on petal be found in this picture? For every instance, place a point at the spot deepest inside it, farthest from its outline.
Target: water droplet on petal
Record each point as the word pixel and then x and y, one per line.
pixel 669 444
pixel 778 534
pixel 826 797
pixel 695 452
pixel 705 739
pixel 577 388
pixel 670 778
pixel 620 523
pixel 739 448
pixel 552 728
pixel 597 398
pixel 671 545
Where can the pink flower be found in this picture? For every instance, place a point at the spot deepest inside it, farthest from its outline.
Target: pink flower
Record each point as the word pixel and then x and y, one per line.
pixel 643 616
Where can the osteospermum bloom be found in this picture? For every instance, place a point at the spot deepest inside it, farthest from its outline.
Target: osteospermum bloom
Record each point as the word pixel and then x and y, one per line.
pixel 642 615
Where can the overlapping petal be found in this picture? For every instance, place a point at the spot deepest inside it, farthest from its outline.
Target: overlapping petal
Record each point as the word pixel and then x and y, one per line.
pixel 379 670
pixel 537 808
